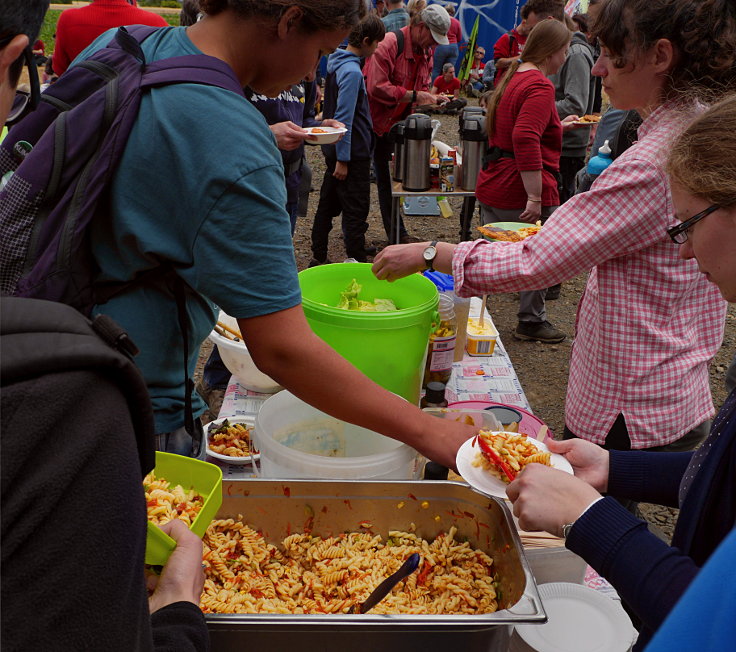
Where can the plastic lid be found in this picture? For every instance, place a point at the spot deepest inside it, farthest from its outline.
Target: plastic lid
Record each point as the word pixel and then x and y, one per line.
pixel 473 128
pixel 417 127
pixel 444 282
pixel 446 306
pixel 435 392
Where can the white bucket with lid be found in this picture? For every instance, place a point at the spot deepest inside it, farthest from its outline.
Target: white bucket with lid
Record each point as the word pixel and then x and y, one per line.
pixel 296 440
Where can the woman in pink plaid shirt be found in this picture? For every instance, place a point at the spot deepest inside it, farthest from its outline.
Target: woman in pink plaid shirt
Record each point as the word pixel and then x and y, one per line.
pixel 648 323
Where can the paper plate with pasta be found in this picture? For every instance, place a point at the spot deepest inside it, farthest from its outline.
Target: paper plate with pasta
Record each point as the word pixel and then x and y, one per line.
pixel 230 440
pixel 490 461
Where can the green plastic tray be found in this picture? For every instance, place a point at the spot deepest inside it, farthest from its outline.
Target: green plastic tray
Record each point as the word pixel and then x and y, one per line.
pixel 205 478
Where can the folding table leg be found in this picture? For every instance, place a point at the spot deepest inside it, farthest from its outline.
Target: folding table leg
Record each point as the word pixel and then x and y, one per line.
pixel 466 217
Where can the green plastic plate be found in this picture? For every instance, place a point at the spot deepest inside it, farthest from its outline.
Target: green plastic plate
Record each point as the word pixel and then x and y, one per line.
pixel 205 478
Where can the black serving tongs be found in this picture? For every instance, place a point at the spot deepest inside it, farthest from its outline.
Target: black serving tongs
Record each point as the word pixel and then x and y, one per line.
pixel 384 588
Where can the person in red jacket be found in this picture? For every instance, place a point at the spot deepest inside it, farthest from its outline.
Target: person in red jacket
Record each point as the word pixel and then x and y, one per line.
pixel 77 28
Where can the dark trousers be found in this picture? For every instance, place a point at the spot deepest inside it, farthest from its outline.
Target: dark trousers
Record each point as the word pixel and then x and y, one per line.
pixel 351 197
pixel 381 159
pixel 569 167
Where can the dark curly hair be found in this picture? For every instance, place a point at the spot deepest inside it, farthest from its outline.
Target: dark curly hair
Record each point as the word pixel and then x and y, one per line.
pixel 317 15
pixel 702 31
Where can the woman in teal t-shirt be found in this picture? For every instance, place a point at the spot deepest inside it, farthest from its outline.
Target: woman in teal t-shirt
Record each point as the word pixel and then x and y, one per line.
pixel 200 186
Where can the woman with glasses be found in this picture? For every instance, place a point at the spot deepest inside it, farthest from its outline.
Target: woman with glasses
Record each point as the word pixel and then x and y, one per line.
pixel 649 323
pixel 649 574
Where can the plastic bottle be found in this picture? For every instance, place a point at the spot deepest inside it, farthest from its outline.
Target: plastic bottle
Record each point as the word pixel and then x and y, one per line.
pixel 441 350
pixel 434 396
pixel 462 312
pixel 600 161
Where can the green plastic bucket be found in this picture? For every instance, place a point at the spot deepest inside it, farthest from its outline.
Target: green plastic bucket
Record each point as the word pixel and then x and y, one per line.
pixel 388 347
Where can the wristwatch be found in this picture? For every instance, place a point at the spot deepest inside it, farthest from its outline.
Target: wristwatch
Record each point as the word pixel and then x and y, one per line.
pixel 566 529
pixel 429 254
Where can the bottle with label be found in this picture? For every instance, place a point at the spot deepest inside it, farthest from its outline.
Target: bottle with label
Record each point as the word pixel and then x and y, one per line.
pixel 434 396
pixel 441 350
pixel 600 161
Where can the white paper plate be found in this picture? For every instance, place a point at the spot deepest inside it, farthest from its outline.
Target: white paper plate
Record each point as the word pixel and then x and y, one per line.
pixel 482 480
pixel 248 421
pixel 325 136
pixel 579 620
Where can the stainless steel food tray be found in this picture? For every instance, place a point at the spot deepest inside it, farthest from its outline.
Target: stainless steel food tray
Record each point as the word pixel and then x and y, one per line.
pixel 281 507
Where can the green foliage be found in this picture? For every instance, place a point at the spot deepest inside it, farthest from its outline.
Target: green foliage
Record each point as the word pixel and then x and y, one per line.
pixel 48 29
pixel 170 3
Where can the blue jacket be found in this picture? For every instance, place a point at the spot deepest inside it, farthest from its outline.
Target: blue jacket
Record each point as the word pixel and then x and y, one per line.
pixel 346 100
pixel 648 574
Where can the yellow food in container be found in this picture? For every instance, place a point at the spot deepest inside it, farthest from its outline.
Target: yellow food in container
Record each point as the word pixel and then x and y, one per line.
pixel 481 340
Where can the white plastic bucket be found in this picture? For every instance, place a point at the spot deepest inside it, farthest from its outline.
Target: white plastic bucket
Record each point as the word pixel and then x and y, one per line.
pixel 298 441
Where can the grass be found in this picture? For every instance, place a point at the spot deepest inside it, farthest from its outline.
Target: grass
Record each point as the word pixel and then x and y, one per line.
pixel 48 29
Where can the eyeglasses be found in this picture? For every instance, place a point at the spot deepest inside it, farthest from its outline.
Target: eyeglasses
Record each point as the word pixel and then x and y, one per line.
pixel 25 101
pixel 678 234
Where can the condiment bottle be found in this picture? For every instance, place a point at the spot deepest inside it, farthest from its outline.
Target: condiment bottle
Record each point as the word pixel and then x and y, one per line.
pixel 441 350
pixel 434 396
pixel 600 161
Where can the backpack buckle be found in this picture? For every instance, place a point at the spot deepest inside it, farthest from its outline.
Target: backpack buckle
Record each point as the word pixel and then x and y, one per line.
pixel 114 334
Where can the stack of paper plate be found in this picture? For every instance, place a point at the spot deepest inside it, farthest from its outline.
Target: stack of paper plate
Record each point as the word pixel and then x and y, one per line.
pixel 579 620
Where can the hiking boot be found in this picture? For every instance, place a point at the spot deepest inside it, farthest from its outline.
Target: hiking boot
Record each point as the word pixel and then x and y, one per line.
pixel 213 397
pixel 315 262
pixel 553 292
pixel 408 239
pixel 538 332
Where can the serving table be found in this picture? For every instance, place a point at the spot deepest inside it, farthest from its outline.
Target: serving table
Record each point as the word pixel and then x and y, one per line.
pixel 466 213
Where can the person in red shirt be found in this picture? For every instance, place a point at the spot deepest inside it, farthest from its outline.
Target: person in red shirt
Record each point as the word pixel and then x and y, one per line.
pixel 509 46
pixel 77 28
pixel 519 181
pixel 446 83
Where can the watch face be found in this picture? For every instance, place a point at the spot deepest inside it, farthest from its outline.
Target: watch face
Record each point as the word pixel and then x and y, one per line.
pixel 429 253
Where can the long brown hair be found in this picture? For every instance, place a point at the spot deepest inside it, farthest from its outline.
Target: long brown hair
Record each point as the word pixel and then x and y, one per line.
pixel 703 33
pixel 703 158
pixel 317 15
pixel 547 37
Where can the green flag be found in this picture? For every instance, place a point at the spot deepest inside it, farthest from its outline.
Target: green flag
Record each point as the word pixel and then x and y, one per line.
pixel 468 58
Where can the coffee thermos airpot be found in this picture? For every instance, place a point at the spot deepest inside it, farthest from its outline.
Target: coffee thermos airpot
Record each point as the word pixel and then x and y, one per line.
pixel 417 146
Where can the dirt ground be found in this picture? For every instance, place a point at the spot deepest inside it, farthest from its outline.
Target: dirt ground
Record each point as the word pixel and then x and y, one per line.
pixel 542 368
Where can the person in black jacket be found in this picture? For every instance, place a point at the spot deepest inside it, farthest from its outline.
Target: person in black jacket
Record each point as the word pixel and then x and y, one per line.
pixel 77 437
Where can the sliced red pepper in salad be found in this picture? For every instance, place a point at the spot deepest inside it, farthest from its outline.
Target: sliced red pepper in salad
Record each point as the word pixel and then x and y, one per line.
pixel 494 458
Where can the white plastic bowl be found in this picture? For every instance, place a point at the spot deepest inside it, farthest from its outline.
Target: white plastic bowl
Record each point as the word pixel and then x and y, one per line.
pixel 325 136
pixel 296 440
pixel 237 359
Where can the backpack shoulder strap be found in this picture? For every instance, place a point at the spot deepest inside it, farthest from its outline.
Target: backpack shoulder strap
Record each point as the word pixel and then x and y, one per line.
pixel 399 41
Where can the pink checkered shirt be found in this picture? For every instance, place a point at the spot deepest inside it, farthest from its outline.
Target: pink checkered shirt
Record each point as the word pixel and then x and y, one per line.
pixel 648 323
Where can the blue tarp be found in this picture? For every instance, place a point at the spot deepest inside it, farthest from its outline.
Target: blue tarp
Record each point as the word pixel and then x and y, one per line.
pixel 496 18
